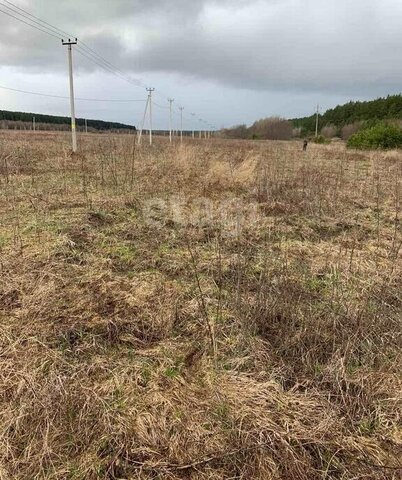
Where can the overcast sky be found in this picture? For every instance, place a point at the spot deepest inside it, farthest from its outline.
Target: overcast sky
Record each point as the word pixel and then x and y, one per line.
pixel 228 61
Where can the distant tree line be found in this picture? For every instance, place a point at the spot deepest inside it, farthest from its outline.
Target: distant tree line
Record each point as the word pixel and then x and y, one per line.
pixel 345 120
pixel 21 120
pixel 273 128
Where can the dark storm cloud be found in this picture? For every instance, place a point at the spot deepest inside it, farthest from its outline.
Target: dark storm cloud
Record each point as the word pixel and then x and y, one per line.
pixel 109 26
pixel 300 45
pixel 305 45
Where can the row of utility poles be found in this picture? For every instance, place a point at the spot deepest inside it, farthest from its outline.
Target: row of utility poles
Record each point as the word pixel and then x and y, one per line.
pixel 148 107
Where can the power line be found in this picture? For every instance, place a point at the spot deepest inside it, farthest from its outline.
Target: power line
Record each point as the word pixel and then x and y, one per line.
pixel 93 59
pixel 77 98
pixel 96 58
pixel 30 25
pixel 55 32
pixel 51 29
pixel 135 81
pixel 83 49
pixel 105 67
pixel 160 106
pixel 37 18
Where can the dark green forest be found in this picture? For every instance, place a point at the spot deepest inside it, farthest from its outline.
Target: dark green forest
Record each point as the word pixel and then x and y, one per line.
pixel 389 107
pixel 51 119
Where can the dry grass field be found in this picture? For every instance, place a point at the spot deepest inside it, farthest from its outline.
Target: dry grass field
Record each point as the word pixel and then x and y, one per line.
pixel 217 310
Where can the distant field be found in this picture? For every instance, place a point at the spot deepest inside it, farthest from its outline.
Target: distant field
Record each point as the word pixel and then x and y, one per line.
pixel 217 310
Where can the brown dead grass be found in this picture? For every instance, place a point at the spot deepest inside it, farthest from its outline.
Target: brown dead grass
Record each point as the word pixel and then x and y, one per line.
pixel 245 325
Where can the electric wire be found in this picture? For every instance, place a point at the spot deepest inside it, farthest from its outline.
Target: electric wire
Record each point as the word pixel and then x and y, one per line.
pixel 160 106
pixel 54 31
pixel 30 25
pixel 39 19
pixel 82 48
pixel 105 67
pixel 138 82
pixel 64 97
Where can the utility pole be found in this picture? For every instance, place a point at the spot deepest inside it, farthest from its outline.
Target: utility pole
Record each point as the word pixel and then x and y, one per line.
pixel 86 126
pixel 33 124
pixel 143 121
pixel 70 43
pixel 150 90
pixel 204 130
pixel 193 115
pixel 181 124
pixel 170 100
pixel 316 121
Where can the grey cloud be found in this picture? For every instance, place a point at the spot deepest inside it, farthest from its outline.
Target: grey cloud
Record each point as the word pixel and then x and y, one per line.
pixel 103 24
pixel 345 48
pixel 330 46
pixel 260 44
